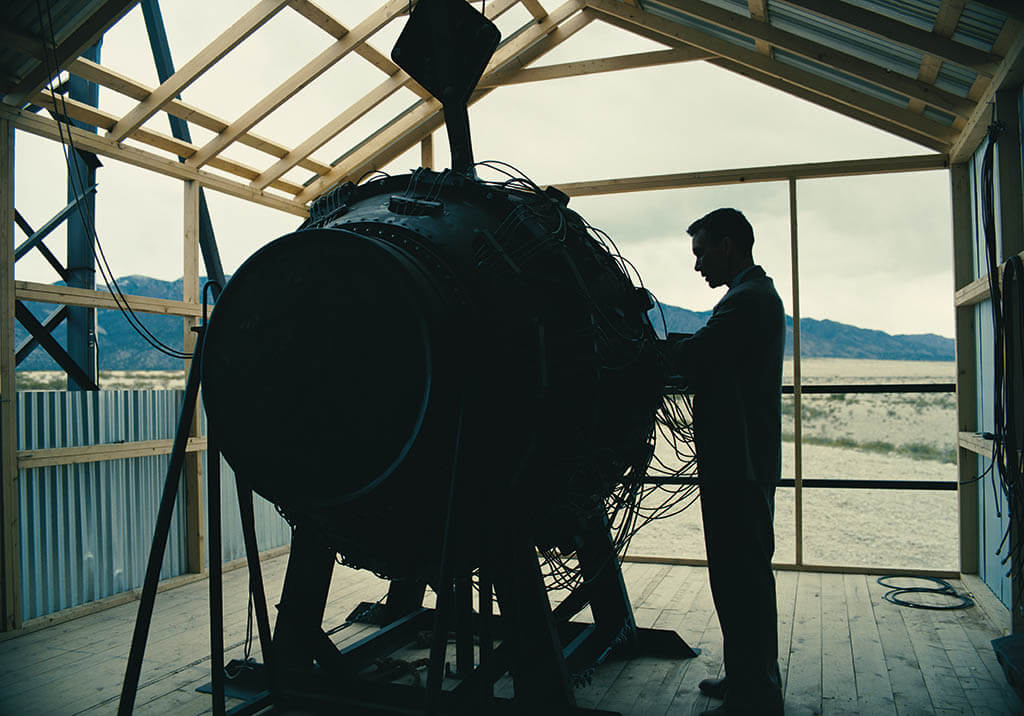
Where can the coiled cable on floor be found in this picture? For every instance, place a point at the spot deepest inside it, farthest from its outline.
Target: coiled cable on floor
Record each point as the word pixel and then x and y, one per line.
pixel 943 588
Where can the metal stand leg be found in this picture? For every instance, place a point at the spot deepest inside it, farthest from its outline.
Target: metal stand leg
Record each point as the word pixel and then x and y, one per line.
pixel 160 535
pixel 252 554
pixel 216 581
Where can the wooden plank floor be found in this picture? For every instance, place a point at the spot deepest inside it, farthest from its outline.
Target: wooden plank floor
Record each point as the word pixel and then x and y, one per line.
pixel 843 650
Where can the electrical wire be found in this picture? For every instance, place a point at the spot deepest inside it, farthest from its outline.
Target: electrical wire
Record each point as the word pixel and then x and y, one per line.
pixel 943 589
pixel 1007 306
pixel 77 181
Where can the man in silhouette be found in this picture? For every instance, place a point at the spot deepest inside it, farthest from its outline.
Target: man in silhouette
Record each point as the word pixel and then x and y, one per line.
pixel 734 367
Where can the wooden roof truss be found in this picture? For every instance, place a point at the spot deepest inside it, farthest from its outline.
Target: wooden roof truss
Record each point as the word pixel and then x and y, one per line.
pixel 840 75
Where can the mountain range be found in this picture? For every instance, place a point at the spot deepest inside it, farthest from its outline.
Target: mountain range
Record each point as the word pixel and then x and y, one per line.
pixel 121 348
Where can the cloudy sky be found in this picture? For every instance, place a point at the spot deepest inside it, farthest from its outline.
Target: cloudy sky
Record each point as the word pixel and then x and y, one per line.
pixel 874 251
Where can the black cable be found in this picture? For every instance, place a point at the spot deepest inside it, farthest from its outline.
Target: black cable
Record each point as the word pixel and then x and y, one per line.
pixel 61 116
pixel 943 589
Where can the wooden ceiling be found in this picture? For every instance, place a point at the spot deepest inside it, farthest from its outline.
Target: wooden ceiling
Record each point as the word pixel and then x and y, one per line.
pixel 854 58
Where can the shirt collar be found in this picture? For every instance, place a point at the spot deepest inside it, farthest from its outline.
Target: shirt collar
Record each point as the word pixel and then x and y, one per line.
pixel 738 278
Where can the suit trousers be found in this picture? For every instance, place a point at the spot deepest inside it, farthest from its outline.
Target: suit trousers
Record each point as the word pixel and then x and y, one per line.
pixel 740 541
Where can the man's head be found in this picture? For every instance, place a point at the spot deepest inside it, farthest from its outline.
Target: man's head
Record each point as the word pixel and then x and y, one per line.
pixel 722 242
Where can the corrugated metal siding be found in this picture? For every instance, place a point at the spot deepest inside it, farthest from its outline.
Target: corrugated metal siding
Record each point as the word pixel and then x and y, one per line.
pixel 670 13
pixel 271 529
pixel 919 13
pixel 979 26
pixel 843 78
pixel 846 39
pixel 86 529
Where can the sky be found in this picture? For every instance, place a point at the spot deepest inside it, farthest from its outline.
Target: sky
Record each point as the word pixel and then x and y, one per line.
pixel 875 251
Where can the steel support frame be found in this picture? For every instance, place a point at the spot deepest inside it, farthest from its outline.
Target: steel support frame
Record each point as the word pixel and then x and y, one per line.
pixel 81 261
pixel 179 129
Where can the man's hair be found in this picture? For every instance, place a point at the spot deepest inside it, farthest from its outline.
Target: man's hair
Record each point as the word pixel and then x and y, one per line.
pixel 724 222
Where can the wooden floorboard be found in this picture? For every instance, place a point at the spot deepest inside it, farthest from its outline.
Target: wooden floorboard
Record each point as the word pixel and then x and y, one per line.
pixel 842 649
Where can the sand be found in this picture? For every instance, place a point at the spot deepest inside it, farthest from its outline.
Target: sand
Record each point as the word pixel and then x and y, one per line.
pixel 882 436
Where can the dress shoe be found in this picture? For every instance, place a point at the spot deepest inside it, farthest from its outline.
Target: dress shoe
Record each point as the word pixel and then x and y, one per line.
pixel 714 688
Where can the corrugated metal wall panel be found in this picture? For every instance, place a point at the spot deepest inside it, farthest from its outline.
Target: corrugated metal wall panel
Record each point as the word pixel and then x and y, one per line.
pixel 919 13
pixel 844 38
pixel 86 529
pixel 979 26
pixel 272 530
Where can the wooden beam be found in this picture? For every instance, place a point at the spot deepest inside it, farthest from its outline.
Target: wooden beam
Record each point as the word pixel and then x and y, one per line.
pixel 595 66
pixel 44 127
pixel 937 42
pixel 875 118
pixel 1010 74
pixel 47 293
pixel 978 290
pixel 300 79
pixel 765 66
pixel 332 129
pixel 104 120
pixel 966 367
pixel 798 442
pixel 975 443
pixel 65 615
pixel 427 151
pixel 1008 181
pixel 191 70
pixel 81 39
pixel 10 530
pixel 425 117
pixel 350 115
pixel 946 20
pixel 322 19
pixel 48 457
pixel 816 52
pixel 105 77
pixel 759 11
pixel 751 175
pixel 535 9
pixel 193 467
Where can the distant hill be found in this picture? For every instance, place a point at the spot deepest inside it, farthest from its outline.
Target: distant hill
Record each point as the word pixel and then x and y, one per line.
pixel 830 339
pixel 121 348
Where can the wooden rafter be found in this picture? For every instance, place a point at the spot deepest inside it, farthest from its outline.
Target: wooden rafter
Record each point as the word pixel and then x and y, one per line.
pixel 105 77
pixel 749 175
pixel 326 22
pixel 194 68
pixel 104 120
pixel 104 146
pixel 535 9
pixel 946 20
pixel 733 57
pixel 426 116
pixel 82 38
pixel 875 118
pixel 353 113
pixel 597 65
pixel 936 43
pixel 300 79
pixel 1010 72
pixel 759 11
pixel 814 51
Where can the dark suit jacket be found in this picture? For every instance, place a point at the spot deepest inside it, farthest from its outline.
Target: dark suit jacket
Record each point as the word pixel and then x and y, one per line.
pixel 734 366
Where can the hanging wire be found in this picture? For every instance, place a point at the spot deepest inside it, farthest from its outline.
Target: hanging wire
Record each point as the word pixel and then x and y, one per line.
pixel 78 183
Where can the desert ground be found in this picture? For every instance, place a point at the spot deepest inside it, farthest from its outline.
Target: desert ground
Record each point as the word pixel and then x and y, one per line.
pixel 883 436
